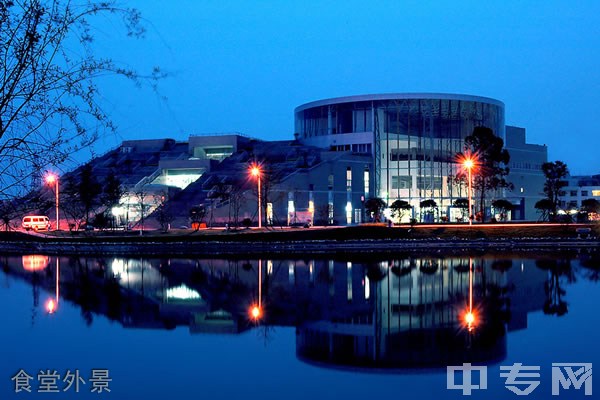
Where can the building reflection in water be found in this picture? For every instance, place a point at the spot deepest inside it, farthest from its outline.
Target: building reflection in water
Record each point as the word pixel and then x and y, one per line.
pixel 409 312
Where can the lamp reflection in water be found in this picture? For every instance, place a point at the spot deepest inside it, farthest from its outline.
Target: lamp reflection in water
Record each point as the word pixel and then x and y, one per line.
pixel 256 311
pixel 35 262
pixel 52 303
pixel 470 315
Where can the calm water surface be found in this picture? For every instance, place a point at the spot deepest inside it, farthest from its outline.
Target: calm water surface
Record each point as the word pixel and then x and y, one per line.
pixel 328 328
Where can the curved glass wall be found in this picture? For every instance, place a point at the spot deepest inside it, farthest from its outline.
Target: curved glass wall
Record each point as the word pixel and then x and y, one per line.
pixel 414 141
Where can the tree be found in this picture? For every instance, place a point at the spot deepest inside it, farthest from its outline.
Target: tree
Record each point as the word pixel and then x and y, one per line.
pixel 142 196
pixel 71 204
pixel 374 207
pixel 555 173
pixel 588 206
pixel 49 93
pixel 503 206
pixel 463 205
pixel 544 207
pixel 112 192
pixel 197 214
pixel 89 190
pixel 399 208
pixel 8 211
pixel 428 208
pixel 492 163
pixel 164 216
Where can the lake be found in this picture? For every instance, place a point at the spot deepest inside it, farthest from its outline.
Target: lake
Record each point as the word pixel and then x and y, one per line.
pixel 338 327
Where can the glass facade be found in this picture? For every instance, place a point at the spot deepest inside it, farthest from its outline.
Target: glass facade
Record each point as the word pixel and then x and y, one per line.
pixel 413 140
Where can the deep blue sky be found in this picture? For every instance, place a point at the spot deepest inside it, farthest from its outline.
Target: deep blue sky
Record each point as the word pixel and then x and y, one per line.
pixel 244 65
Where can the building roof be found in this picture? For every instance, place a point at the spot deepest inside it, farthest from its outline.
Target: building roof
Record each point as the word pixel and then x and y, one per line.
pixel 398 96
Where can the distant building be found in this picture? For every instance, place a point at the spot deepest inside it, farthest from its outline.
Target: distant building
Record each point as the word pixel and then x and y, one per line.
pixel 413 139
pixel 578 189
pixel 525 173
pixel 346 150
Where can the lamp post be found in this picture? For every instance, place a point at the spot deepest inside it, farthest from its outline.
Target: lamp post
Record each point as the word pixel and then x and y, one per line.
pixel 50 179
pixel 468 163
pixel 255 171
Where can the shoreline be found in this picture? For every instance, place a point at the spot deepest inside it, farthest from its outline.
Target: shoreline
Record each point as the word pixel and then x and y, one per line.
pixel 368 239
pixel 241 249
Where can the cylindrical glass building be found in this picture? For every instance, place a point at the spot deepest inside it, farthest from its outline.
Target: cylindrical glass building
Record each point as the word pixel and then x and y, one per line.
pixel 412 137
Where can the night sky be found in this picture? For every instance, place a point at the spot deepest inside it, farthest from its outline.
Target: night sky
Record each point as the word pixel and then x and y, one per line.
pixel 243 66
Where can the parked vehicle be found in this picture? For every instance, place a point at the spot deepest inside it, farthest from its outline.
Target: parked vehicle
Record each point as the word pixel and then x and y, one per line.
pixel 36 222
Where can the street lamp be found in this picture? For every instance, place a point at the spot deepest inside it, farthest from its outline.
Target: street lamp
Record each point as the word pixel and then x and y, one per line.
pixel 53 179
pixel 256 172
pixel 469 163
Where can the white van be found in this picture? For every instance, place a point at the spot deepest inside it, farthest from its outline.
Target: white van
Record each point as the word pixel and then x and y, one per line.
pixel 36 222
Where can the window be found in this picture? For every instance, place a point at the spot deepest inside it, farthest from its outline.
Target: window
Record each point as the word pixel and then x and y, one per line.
pixel 429 182
pixel 348 213
pixel 573 193
pixel 596 193
pixel 349 281
pixel 349 179
pixel 367 182
pixel 584 193
pixel 401 182
pixel 361 148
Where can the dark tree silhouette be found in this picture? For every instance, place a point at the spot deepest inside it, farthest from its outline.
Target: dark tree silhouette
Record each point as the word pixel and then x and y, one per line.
pixel 197 214
pixel 112 191
pixel 89 190
pixel 555 173
pixel 544 207
pixel 503 206
pixel 428 207
pixel 374 207
pixel 492 163
pixel 463 205
pixel 590 205
pixel 399 208
pixel 49 98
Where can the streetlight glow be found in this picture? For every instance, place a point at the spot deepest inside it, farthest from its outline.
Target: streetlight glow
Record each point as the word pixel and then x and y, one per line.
pixel 256 172
pixel 470 320
pixel 51 306
pixel 468 162
pixel 53 179
pixel 255 312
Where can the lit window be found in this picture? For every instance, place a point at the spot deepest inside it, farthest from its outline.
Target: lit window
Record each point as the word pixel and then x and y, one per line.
pixel 349 179
pixel 349 213
pixel 349 280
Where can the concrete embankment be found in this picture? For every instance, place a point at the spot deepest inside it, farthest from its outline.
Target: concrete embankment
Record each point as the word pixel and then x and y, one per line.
pixel 174 248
